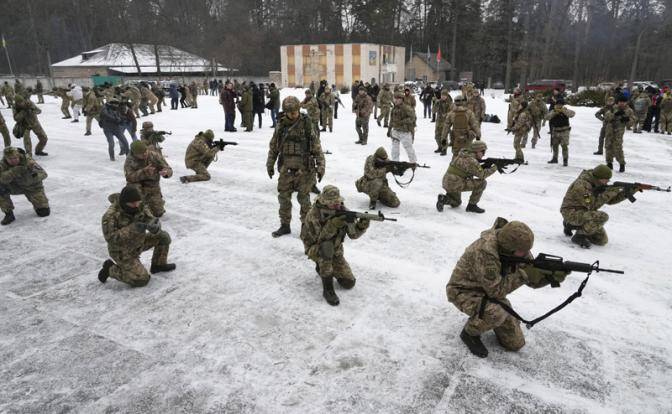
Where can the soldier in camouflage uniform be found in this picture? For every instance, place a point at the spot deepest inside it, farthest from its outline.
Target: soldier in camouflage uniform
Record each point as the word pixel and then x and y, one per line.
pixel 641 104
pixel 4 131
pixel 312 107
pixel 559 122
pixel 374 184
pixel 327 102
pixel 616 120
pixel 580 207
pixel 323 234
pixel 245 105
pixel 521 127
pixel 19 174
pixel 666 113
pixel 538 111
pixel 480 275
pixel 476 104
pixel 465 173
pixel 148 96
pixel 297 149
pixel 362 108
pixel 600 115
pixel 129 229
pixel 144 168
pixel 441 110
pixel 514 106
pixel 39 90
pixel 385 98
pixel 158 91
pixel 151 138
pixel 462 126
pixel 8 92
pixel 93 104
pixel 200 153
pixel 65 101
pixel 133 94
pixel 402 125
pixel 25 115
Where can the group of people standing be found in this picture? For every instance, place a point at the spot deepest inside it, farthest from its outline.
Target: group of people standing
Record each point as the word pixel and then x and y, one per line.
pixel 251 100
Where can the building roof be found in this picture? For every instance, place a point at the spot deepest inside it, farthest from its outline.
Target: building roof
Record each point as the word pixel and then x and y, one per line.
pixel 442 66
pixel 118 57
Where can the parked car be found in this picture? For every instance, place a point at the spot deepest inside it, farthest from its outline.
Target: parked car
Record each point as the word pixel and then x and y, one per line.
pixel 450 85
pixel 645 85
pixel 606 86
pixel 546 85
pixel 498 85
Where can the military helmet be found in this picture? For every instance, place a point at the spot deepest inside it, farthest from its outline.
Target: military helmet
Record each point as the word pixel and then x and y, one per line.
pixel 602 172
pixel 138 147
pixel 290 104
pixel 147 125
pixel 208 134
pixel 330 195
pixel 381 153
pixel 309 92
pixel 129 194
pixel 515 236
pixel 18 98
pixel 478 146
pixel 459 100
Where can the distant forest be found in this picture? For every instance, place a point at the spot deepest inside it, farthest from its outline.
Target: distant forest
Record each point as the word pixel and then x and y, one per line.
pixel 586 41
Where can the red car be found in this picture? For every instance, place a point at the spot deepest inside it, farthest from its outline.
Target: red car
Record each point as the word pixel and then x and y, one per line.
pixel 546 85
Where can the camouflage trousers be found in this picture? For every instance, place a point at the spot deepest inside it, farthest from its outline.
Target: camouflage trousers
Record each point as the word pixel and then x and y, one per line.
pixel 455 186
pixel 65 108
pixel 41 138
pixel 666 122
pixel 378 190
pixel 327 115
pixel 35 196
pixel 330 261
pixel 590 223
pixel 40 98
pixel 5 134
pixel 641 117
pixel 152 101
pixel 518 139
pixel 600 142
pixel 89 119
pixel 494 317
pixel 294 181
pixel 536 128
pixel 560 138
pixel 194 101
pixel 153 198
pixel 248 120
pixel 362 127
pixel 135 106
pixel 613 146
pixel 385 115
pixel 201 170
pixel 127 267
pixel 441 143
pixel 459 140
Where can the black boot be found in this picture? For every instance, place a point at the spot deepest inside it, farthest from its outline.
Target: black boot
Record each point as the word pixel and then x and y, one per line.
pixel 372 205
pixel 566 228
pixel 621 168
pixel 87 133
pixel 598 152
pixel 610 165
pixel 43 212
pixel 105 271
pixel 157 268
pixel 553 160
pixel 284 229
pixel 9 217
pixel 473 208
pixel 581 240
pixel 565 162
pixel 440 202
pixel 378 122
pixel 328 291
pixel 438 150
pixel 444 153
pixel 474 344
pixel 184 180
pixel 41 153
pixel 346 283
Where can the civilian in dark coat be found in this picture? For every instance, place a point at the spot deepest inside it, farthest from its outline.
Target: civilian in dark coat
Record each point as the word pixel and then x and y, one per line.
pixel 258 101
pixel 227 99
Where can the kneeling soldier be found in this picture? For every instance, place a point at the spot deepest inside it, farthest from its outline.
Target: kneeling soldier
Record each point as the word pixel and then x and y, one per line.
pixel 130 229
pixel 144 169
pixel 200 154
pixel 465 173
pixel 323 233
pixel 480 275
pixel 374 184
pixel 19 174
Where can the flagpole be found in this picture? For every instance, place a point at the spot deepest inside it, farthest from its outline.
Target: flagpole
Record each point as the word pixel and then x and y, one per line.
pixel 9 62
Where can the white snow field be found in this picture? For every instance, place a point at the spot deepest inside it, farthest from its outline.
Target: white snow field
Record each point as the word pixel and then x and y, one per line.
pixel 241 325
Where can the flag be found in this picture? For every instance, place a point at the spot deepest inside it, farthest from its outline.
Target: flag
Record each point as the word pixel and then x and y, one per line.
pixel 438 56
pixel 428 53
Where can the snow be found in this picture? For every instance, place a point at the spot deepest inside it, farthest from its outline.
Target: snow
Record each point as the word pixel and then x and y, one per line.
pixel 241 326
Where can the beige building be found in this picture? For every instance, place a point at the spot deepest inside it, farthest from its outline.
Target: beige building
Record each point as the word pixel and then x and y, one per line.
pixel 341 64
pixel 428 70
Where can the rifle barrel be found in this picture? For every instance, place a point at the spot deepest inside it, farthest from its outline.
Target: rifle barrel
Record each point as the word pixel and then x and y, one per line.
pixel 620 272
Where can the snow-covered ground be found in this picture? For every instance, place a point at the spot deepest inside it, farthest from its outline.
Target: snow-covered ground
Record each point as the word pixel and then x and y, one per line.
pixel 241 326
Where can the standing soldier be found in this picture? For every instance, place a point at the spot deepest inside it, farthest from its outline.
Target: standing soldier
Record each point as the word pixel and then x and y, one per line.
pixel 465 173
pixel 373 90
pixel 39 90
pixel 580 207
pixel 298 152
pixel 327 100
pixel 522 123
pixel 144 169
pixel 149 97
pixel 558 120
pixel 65 102
pixel 385 98
pixel 480 274
pixel 409 99
pixel 93 104
pixel 158 91
pixel 19 174
pixel 616 120
pixel 600 115
pixel 246 105
pixel 666 113
pixel 8 91
pixel 476 104
pixel 402 123
pixel 4 131
pixel 641 104
pixel 133 94
pixel 441 109
pixel 311 106
pixel 25 115
pixel 200 153
pixel 462 126
pixel 374 184
pixel 130 229
pixel 362 108
pixel 274 103
pixel 538 111
pixel 323 234
pixel 193 90
pixel 514 106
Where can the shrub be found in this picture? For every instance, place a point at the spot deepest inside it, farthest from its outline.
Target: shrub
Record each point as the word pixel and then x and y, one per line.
pixel 587 98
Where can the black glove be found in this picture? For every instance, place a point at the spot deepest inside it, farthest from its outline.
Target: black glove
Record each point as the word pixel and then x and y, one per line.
pixel 154 226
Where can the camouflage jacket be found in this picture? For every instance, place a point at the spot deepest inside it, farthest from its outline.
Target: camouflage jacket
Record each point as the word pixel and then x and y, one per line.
pixel 146 93
pixel 246 104
pixel 313 108
pixel 92 104
pixel 28 175
pixel 327 101
pixel 477 105
pixel 641 103
pixel 385 98
pixel 442 108
pixel 538 109
pixel 409 100
pixel 617 123
pixel 602 112
pixel 320 226
pixel 372 171
pixel 7 90
pixel 515 103
pixel 134 169
pixel 153 140
pixel 295 146
pixel 132 93
pixel 26 113
pixel 585 195
pixel 465 165
pixel 199 152
pixel 363 106
pixel 461 120
pixel 402 118
pixel 522 123
pixel 121 235
pixel 666 104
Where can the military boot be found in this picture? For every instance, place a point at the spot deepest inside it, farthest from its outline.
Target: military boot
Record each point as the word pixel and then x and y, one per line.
pixel 438 150
pixel 444 152
pixel 566 228
pixel 621 168
pixel 473 208
pixel 440 202
pixel 9 217
pixel 565 162
pixel 610 165
pixel 372 205
pixel 158 268
pixel 87 133
pixel 581 240
pixel 553 160
pixel 346 283
pixel 474 344
pixel 105 271
pixel 328 291
pixel 284 229
pixel 598 152
pixel 41 153
pixel 378 121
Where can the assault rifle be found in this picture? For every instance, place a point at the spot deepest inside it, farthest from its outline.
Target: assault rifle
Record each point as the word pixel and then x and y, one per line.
pixel 632 188
pixel 162 133
pixel 501 163
pixel 351 216
pixel 221 144
pixel 398 168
